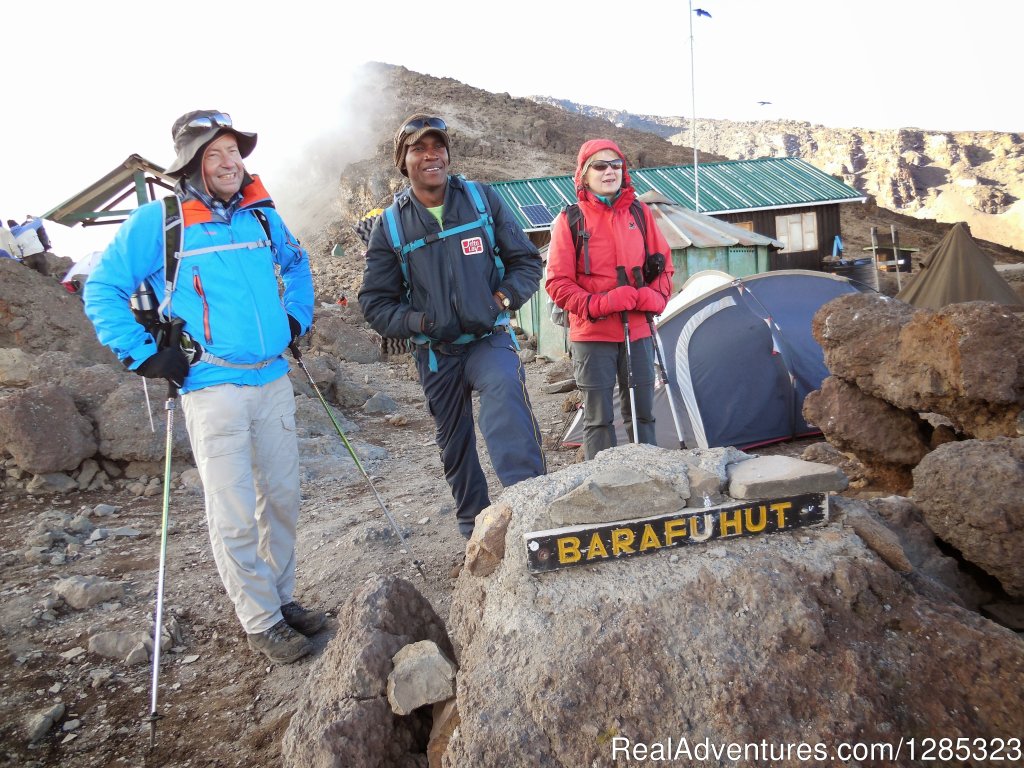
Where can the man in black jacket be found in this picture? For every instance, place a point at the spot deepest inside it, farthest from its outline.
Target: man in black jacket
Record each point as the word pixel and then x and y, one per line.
pixel 451 293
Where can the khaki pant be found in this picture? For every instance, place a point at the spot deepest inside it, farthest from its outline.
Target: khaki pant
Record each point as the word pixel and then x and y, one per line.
pixel 243 440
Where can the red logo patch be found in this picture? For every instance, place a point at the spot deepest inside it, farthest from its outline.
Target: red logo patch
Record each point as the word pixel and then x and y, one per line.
pixel 472 245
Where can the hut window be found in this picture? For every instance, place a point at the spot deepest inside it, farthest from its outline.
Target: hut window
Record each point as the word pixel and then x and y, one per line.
pixel 799 231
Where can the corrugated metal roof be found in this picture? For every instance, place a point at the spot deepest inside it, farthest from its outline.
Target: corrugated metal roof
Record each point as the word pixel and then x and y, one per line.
pixel 739 185
pixel 683 227
pixel 94 204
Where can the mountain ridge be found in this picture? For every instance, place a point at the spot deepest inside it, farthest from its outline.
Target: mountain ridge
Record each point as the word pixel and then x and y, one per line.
pixel 948 176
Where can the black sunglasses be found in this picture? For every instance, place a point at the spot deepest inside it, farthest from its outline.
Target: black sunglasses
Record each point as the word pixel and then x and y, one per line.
pixel 424 122
pixel 603 165
pixel 216 120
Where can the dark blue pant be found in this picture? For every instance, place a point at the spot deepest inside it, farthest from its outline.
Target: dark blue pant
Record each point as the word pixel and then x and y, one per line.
pixel 598 365
pixel 491 367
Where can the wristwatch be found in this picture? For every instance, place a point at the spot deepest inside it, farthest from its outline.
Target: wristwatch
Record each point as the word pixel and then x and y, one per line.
pixel 503 300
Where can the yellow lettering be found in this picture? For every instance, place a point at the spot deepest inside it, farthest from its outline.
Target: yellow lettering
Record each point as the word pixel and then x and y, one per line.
pixel 674 529
pixel 596 548
pixel 650 539
pixel 622 541
pixel 779 508
pixel 568 550
pixel 731 522
pixel 709 527
pixel 762 519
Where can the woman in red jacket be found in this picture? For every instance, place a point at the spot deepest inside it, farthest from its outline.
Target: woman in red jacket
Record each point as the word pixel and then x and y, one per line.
pixel 597 285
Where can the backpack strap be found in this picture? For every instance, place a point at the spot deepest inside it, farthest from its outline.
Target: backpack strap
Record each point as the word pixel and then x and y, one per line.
pixel 577 228
pixel 637 209
pixel 174 233
pixel 396 237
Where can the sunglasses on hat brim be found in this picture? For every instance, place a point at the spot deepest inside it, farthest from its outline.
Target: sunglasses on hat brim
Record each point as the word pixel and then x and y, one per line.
pixel 205 122
pixel 424 122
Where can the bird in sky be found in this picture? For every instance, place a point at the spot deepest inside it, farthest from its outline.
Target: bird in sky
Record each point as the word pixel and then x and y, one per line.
pixel 701 12
pixel 764 103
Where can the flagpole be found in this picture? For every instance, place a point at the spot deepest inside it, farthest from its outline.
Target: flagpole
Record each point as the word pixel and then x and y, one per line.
pixel 693 119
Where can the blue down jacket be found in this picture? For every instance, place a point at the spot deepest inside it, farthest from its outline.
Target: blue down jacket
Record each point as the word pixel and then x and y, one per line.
pixel 227 294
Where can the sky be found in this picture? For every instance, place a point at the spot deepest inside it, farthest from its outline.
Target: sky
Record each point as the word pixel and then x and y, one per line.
pixel 88 84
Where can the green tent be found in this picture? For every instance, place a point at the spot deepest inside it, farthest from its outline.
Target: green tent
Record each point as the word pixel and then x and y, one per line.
pixel 958 270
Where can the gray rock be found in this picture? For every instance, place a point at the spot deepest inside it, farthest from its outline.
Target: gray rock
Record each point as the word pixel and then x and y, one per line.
pixel 422 675
pixel 82 592
pixel 15 368
pixel 117 644
pixel 123 427
pixel 988 534
pixel 42 429
pixel 380 403
pixel 39 724
pixel 617 493
pixel 51 482
pixel 711 644
pixel 342 716
pixel 768 476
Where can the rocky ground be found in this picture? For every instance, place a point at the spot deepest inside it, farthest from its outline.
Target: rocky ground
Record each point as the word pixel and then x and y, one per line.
pixel 222 705
pixel 63 702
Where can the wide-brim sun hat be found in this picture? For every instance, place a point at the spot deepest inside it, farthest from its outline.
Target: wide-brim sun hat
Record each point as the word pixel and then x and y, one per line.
pixel 193 131
pixel 414 128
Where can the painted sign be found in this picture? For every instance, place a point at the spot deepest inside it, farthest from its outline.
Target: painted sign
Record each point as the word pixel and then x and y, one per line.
pixel 592 544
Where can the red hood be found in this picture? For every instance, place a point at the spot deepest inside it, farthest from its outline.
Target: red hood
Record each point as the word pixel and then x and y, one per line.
pixel 591 148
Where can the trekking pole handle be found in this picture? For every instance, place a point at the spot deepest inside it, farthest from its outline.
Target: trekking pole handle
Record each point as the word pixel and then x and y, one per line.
pixel 174 329
pixel 623 280
pixel 623 277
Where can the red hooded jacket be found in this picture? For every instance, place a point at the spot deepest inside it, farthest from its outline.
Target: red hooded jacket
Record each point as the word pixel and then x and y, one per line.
pixel 615 240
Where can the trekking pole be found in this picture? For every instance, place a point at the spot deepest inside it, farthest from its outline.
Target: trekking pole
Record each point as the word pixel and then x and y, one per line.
pixel 638 278
pixel 173 339
pixel 624 280
pixel 394 526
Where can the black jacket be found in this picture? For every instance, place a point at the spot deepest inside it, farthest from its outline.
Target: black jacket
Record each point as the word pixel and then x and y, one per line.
pixel 454 279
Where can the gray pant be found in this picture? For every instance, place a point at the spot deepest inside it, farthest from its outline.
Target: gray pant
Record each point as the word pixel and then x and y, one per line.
pixel 598 366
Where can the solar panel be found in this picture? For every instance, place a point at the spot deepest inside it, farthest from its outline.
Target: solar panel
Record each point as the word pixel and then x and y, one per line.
pixel 537 215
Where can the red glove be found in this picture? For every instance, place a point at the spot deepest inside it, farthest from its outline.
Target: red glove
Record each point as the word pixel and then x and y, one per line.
pixel 649 300
pixel 619 299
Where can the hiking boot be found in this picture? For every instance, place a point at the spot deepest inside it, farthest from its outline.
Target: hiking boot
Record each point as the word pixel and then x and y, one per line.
pixel 305 621
pixel 281 644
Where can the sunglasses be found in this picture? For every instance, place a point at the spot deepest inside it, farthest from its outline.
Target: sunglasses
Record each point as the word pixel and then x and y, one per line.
pixel 424 122
pixel 217 120
pixel 603 165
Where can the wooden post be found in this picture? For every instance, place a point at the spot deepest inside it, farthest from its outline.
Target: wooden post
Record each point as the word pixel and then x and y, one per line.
pixel 874 246
pixel 896 255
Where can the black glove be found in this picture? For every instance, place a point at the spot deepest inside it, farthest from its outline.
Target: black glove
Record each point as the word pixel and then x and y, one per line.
pixel 295 328
pixel 168 364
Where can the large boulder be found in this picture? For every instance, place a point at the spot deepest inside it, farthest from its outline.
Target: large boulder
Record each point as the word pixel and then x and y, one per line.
pixel 888 441
pixel 43 431
pixel 37 314
pixel 807 636
pixel 987 528
pixel 964 361
pixel 335 335
pixel 343 717
pixel 124 427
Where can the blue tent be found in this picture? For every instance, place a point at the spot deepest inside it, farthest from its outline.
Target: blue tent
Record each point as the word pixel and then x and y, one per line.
pixel 741 359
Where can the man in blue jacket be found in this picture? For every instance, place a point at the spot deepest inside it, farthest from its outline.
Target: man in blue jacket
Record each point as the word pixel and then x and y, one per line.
pixel 238 401
pixel 450 290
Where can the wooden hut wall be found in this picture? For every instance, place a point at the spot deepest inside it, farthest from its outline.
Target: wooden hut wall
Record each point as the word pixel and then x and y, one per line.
pixel 763 222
